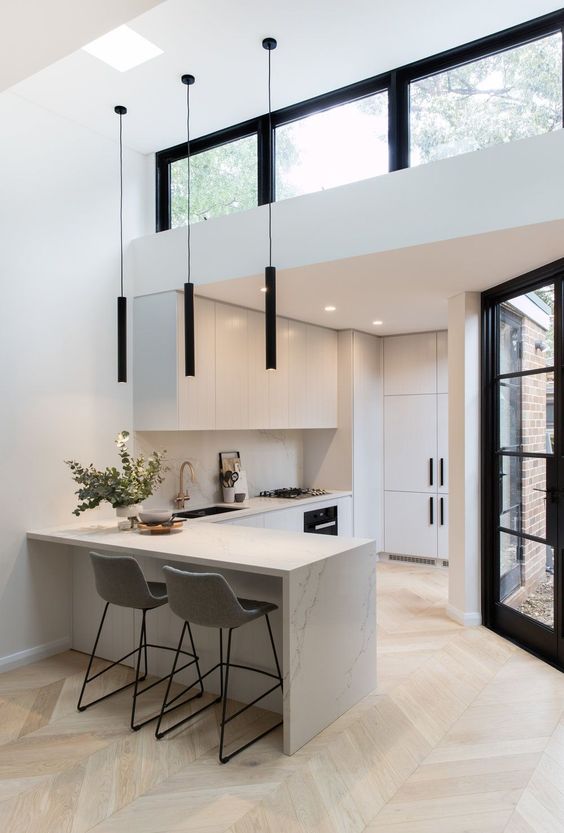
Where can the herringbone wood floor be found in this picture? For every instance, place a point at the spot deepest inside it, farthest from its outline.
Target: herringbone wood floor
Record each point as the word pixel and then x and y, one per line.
pixel 464 735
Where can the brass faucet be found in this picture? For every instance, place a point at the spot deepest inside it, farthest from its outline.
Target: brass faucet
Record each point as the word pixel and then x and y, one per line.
pixel 183 496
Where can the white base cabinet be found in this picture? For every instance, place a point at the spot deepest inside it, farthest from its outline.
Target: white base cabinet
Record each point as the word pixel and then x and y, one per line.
pixel 408 526
pixel 291 519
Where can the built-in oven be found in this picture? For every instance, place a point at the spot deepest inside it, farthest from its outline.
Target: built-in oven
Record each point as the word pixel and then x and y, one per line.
pixel 322 521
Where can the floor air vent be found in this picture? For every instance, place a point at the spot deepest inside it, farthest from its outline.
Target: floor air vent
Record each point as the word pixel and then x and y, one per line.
pixel 414 559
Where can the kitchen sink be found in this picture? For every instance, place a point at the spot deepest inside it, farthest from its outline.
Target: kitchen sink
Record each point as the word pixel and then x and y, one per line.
pixel 207 510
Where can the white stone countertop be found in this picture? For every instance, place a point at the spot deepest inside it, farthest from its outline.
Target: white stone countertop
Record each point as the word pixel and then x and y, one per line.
pixel 260 505
pixel 263 551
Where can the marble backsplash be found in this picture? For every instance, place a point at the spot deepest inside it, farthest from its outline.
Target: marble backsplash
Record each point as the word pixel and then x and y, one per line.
pixel 271 459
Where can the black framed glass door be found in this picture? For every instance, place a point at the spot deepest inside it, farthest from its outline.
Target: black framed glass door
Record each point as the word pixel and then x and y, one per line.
pixel 523 467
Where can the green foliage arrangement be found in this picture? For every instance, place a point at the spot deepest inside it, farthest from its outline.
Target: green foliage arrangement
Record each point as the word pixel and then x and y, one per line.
pixel 136 482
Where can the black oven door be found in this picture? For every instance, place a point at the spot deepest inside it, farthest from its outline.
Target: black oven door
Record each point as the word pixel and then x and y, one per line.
pixel 322 521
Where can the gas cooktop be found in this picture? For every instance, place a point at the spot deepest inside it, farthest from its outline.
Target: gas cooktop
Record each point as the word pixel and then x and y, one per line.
pixel 294 492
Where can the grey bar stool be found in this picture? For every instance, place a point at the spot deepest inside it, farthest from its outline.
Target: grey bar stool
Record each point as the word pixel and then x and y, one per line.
pixel 207 599
pixel 120 581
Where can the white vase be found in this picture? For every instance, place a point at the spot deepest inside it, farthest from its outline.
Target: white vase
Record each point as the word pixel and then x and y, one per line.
pixel 127 515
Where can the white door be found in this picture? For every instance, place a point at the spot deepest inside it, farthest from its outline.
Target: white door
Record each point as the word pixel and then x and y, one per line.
pixel 410 448
pixel 442 442
pixel 442 528
pixel 411 524
pixel 410 364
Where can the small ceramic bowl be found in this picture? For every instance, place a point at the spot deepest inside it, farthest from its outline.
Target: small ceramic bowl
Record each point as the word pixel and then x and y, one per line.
pixel 240 497
pixel 155 516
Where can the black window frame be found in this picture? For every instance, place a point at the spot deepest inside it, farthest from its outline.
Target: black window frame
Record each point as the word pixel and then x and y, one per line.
pixel 395 82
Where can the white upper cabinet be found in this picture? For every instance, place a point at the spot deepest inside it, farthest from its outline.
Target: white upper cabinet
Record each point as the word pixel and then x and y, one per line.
pixel 442 362
pixel 278 380
pixel 259 416
pixel 321 375
pixel 231 367
pixel 410 448
pixel 312 376
pixel 297 378
pixel 410 364
pixel 196 394
pixel 231 388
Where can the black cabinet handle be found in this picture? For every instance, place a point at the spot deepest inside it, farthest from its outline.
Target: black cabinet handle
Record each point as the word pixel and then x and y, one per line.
pixel 430 471
pixel 442 471
pixel 431 511
pixel 442 511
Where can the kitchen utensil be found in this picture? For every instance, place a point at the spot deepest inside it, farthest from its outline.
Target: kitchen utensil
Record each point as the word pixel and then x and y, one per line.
pixel 230 478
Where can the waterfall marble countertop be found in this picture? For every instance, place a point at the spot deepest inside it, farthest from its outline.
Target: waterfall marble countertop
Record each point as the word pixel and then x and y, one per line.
pixel 257 550
pixel 324 587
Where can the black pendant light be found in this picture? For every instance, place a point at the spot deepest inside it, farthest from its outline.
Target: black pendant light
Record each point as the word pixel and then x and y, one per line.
pixel 189 347
pixel 122 300
pixel 270 271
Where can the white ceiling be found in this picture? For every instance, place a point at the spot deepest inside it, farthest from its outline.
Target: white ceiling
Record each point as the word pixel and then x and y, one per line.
pixel 408 289
pixel 35 33
pixel 323 44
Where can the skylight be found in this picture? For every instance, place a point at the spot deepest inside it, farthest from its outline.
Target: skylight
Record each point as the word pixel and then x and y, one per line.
pixel 123 49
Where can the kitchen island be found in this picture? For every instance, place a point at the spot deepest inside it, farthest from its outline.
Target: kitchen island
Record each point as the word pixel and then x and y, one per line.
pixel 325 626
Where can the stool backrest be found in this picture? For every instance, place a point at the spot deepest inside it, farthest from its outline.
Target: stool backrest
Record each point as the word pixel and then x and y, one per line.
pixel 203 599
pixel 120 581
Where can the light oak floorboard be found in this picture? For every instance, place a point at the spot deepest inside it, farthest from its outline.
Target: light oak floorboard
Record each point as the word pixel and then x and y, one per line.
pixel 464 734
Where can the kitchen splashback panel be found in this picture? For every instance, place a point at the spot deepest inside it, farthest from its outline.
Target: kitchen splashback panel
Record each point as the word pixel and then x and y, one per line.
pixel 271 459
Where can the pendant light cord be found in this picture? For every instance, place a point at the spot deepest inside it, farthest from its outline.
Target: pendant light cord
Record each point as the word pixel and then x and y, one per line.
pixel 270 139
pixel 121 199
pixel 188 258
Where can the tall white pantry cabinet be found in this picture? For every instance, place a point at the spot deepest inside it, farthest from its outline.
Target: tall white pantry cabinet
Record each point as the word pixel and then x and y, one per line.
pixel 416 445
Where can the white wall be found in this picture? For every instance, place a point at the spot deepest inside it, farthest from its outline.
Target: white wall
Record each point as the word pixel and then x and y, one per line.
pixel 502 187
pixel 464 386
pixel 271 459
pixel 59 262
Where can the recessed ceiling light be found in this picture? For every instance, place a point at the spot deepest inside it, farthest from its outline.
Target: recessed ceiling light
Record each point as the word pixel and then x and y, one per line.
pixel 263 289
pixel 123 49
pixel 377 323
pixel 330 309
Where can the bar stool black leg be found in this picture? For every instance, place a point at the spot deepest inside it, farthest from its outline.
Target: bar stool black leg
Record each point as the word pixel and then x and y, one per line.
pixel 197 660
pixel 167 705
pixel 221 662
pixel 223 759
pixel 138 678
pixel 79 706
pixel 224 719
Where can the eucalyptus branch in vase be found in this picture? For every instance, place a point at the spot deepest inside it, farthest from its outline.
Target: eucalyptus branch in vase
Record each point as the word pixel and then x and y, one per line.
pixel 137 480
